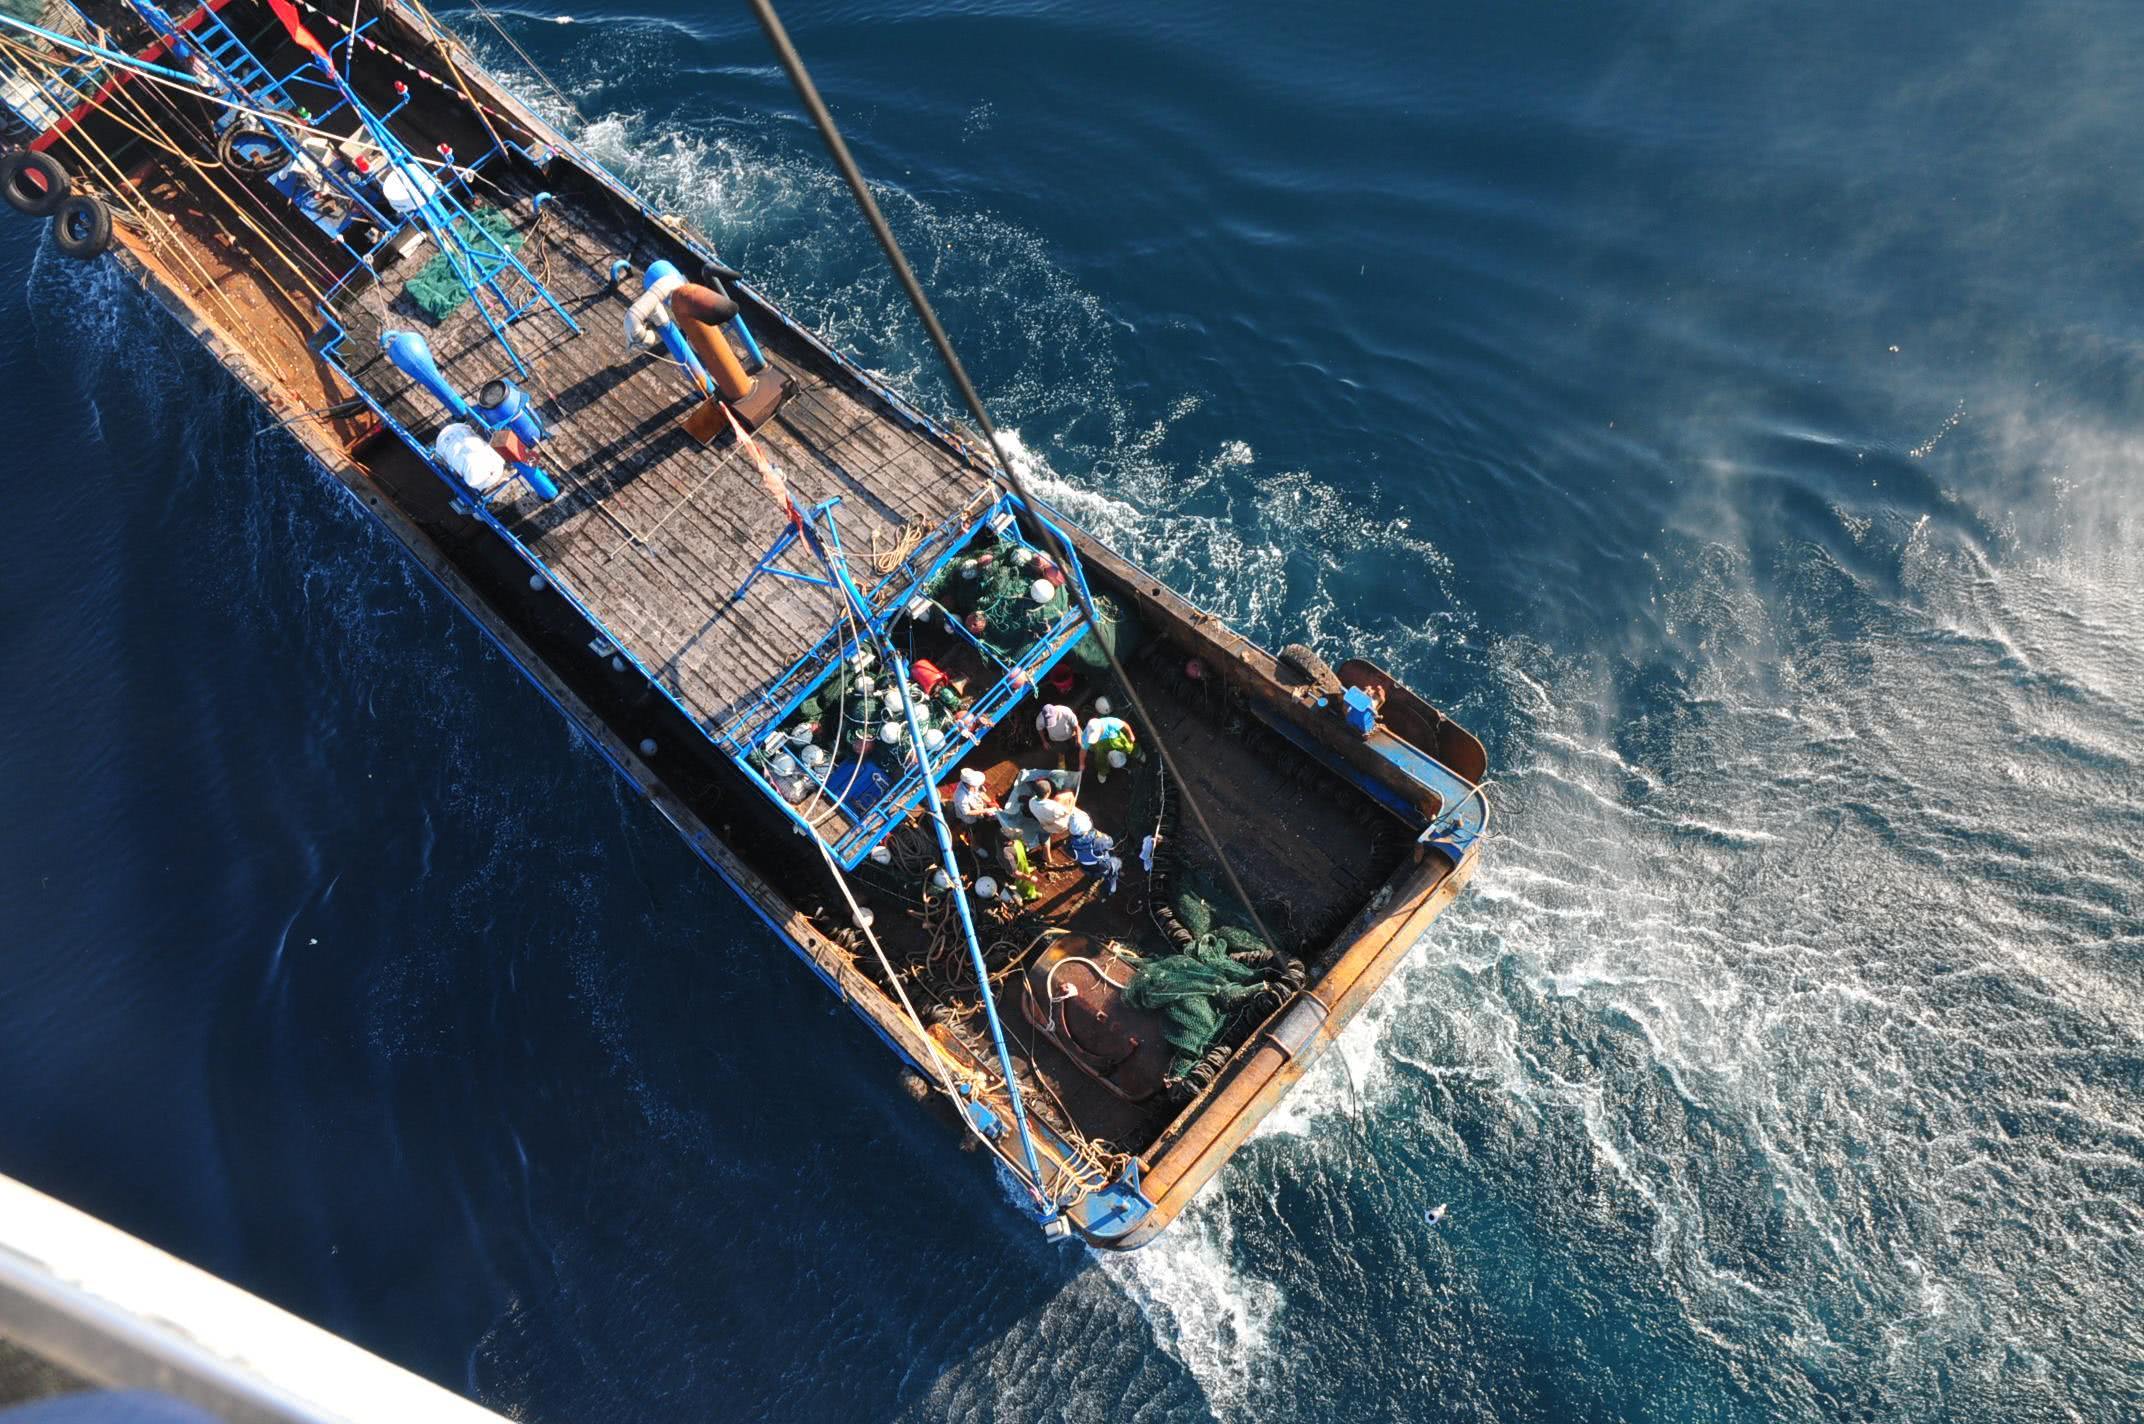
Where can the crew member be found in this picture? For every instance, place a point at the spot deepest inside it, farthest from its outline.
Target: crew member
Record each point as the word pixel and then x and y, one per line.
pixel 1094 851
pixel 1056 725
pixel 972 799
pixel 1110 739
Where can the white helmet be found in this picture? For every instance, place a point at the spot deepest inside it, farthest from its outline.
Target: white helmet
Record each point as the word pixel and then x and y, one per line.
pixel 1042 590
pixel 985 888
pixel 1116 759
pixel 1081 823
pixel 969 776
pixel 1101 707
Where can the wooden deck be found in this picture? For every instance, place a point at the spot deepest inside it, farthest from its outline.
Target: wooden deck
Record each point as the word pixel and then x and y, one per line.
pixel 653 532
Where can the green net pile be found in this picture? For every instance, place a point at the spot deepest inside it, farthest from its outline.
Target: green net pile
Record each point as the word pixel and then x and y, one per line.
pixel 997 580
pixel 1199 989
pixel 437 289
pixel 31 10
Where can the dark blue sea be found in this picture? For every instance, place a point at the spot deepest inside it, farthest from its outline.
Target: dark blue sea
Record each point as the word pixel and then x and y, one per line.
pixel 1734 412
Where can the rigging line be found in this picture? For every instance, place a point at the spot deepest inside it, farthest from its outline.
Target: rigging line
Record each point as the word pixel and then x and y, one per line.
pixel 529 60
pixel 936 1054
pixel 446 54
pixel 187 84
pixel 823 119
pixel 164 239
pixel 836 566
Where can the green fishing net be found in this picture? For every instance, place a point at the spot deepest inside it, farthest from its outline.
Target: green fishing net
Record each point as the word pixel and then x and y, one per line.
pixel 437 289
pixel 1197 991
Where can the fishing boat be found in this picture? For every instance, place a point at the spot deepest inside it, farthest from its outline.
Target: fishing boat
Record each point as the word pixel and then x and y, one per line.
pixel 1103 874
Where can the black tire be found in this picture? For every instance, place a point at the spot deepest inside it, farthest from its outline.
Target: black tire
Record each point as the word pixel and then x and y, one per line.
pixel 1310 668
pixel 35 184
pixel 250 150
pixel 82 227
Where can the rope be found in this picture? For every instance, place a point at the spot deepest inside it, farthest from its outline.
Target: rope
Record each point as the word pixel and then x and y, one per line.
pixel 823 120
pixel 529 60
pixel 885 561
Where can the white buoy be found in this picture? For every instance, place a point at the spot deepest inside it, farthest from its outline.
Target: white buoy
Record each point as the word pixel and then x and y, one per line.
pixel 1116 759
pixel 933 739
pixel 881 856
pixel 1101 707
pixel 1042 590
pixel 784 766
pixel 985 888
pixel 814 755
pixel 864 917
pixel 647 746
pixel 940 880
pixel 536 583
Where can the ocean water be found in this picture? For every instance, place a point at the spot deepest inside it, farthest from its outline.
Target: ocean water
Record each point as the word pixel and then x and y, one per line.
pixel 1731 411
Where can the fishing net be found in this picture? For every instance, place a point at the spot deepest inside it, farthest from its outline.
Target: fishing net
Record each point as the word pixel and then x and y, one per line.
pixel 31 10
pixel 1113 633
pixel 1197 991
pixel 1001 590
pixel 437 289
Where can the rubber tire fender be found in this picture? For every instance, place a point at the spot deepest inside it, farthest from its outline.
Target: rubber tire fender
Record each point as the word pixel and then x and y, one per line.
pixel 258 167
pixel 37 196
pixel 82 226
pixel 1301 660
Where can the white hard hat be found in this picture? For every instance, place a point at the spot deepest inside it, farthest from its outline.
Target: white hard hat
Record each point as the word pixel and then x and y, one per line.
pixel 814 755
pixel 783 765
pixel 969 776
pixel 891 732
pixel 985 888
pixel 1042 590
pixel 1081 823
pixel 880 855
pixel 1101 707
pixel 1116 759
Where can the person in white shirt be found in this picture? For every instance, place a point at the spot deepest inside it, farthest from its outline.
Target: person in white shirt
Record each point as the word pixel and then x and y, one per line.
pixel 972 799
pixel 1052 810
pixel 1057 724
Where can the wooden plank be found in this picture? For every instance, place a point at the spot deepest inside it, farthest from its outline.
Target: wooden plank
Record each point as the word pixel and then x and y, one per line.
pixel 652 531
